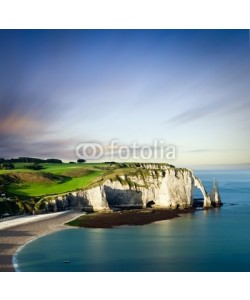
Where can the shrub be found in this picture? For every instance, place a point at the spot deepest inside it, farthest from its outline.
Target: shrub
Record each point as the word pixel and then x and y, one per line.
pixel 35 166
pixel 81 160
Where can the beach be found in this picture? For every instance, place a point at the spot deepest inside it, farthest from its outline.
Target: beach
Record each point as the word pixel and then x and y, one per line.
pixel 17 232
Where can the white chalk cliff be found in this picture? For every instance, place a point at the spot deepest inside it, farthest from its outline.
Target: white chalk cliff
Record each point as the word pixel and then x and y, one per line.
pixel 161 185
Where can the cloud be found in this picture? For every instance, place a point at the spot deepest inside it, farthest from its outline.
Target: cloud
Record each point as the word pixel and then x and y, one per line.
pixel 58 148
pixel 212 150
pixel 27 120
pixel 200 150
pixel 197 112
pixel 15 124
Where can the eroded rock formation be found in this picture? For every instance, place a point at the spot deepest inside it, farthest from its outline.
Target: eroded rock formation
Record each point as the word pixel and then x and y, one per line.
pixel 162 185
pixel 215 196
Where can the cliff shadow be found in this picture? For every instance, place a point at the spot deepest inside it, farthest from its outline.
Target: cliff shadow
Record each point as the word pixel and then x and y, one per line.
pixel 88 209
pixel 79 203
pixel 123 198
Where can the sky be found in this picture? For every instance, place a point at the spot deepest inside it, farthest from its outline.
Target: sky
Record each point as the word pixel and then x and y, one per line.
pixel 189 89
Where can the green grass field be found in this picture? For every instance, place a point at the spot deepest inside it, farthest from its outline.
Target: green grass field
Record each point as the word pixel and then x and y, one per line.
pixel 53 179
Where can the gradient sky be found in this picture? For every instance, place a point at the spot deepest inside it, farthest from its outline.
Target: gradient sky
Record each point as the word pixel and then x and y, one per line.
pixel 190 88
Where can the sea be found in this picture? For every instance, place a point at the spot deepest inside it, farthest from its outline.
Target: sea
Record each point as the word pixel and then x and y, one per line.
pixel 214 240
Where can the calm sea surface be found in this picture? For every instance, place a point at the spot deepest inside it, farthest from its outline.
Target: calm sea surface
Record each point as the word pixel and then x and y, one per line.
pixel 213 240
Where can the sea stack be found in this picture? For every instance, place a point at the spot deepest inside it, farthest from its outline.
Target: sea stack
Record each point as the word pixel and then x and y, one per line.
pixel 215 196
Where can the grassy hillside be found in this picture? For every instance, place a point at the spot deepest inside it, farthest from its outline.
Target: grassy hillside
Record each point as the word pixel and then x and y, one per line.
pixel 52 179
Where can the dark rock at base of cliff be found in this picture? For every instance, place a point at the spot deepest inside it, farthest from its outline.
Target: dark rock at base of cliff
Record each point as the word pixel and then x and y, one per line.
pixel 128 217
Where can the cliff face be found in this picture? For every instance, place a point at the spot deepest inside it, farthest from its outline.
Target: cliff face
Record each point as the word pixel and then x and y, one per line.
pixel 161 185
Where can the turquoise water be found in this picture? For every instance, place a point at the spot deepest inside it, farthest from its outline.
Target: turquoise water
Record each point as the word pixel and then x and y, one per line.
pixel 212 240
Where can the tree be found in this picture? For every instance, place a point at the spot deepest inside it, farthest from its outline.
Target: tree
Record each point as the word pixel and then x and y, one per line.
pixel 81 160
pixel 7 166
pixel 35 166
pixel 27 160
pixel 32 160
pixel 54 161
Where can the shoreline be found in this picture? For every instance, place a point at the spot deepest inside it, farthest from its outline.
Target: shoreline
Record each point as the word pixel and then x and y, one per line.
pixel 14 237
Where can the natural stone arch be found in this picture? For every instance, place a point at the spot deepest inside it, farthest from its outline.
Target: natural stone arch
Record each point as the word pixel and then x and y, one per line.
pixel 198 184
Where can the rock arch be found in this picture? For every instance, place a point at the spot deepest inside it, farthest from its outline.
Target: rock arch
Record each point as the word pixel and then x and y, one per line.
pixel 198 184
